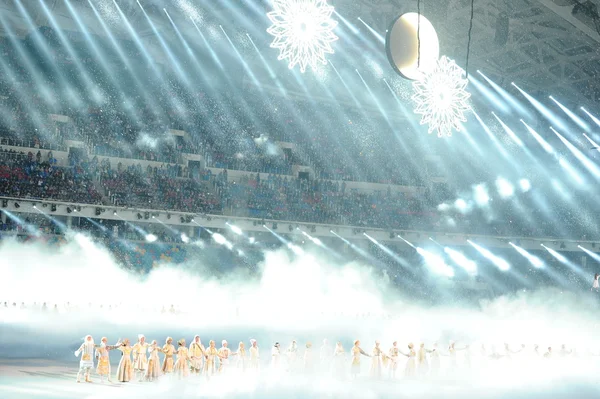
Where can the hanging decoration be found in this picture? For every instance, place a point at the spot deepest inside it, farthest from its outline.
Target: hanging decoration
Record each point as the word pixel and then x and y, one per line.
pixel 441 97
pixel 303 31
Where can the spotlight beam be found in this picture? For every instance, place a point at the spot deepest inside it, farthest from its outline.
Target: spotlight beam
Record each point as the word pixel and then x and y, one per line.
pixel 580 122
pixel 592 117
pixel 589 165
pixel 576 269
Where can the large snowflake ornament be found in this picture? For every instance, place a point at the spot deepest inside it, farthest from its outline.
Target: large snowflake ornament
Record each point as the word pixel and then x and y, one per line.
pixel 303 31
pixel 441 97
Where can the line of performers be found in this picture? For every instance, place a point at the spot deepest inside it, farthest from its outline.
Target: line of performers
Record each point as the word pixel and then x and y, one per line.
pixel 141 361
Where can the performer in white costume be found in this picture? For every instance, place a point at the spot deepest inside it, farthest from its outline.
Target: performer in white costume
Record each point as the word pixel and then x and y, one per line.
pixel 254 355
pixel 377 359
pixel 434 354
pixel 103 367
pixel 339 361
pixel 393 355
pixel 292 356
pixel 196 355
pixel 325 355
pixel 275 355
pixel 86 364
pixel 422 363
pixel 596 283
pixel 411 365
pixel 224 355
pixel 140 360
pixel 242 357
pixel 153 371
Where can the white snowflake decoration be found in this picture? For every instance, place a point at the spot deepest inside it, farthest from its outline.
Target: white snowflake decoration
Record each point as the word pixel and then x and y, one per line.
pixel 303 31
pixel 441 97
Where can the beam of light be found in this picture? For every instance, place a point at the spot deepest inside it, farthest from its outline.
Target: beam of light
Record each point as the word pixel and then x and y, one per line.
pixel 87 80
pixel 435 263
pixel 571 170
pixel 172 58
pixel 504 187
pixel 373 31
pixel 345 85
pixel 243 61
pixel 402 262
pixel 184 238
pixel 592 142
pixel 509 131
pixel 534 260
pixel 481 195
pixel 235 229
pixel 57 222
pixel 98 225
pixel 151 238
pixel 594 255
pixel 589 165
pixel 208 46
pixel 496 260
pixel 525 185
pixel 592 117
pixel 358 250
pixel 266 64
pixel 567 263
pixel 575 118
pixel 100 55
pixel 492 97
pixel 549 115
pixel 30 228
pixel 492 137
pixel 547 147
pixel 460 259
pixel 509 98
pixel 189 51
pixel 315 240
pixel 407 242
pixel 116 44
pixel 291 246
pixel 350 26
pixel 383 112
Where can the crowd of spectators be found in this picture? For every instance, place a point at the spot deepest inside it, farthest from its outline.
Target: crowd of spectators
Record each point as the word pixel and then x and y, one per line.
pixel 28 176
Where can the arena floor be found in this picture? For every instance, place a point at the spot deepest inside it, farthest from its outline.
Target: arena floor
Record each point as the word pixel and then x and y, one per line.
pixel 42 378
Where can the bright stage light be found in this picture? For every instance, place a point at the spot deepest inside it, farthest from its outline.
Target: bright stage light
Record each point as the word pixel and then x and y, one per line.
pixel 235 229
pixel 185 238
pixel 219 239
pixel 505 189
pixel 480 193
pixel 462 260
pixel 303 31
pixel 497 261
pixel 461 205
pixel 441 97
pixel 436 263
pixel 525 185
pixel 151 238
pixel 534 260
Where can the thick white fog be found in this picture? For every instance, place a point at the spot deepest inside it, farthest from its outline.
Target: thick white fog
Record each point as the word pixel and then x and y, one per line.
pixel 300 297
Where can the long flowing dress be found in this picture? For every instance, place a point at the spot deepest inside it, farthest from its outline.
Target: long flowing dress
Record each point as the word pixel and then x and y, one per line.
pixel 423 365
pixel 211 354
pixel 355 365
pixel 181 366
pixel 376 362
pixel 339 362
pixel 411 365
pixel 435 361
pixel 393 355
pixel 242 359
pixel 140 360
pixel 196 356
pixel 125 369
pixel 309 361
pixel 254 358
pixel 169 351
pixel 153 371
